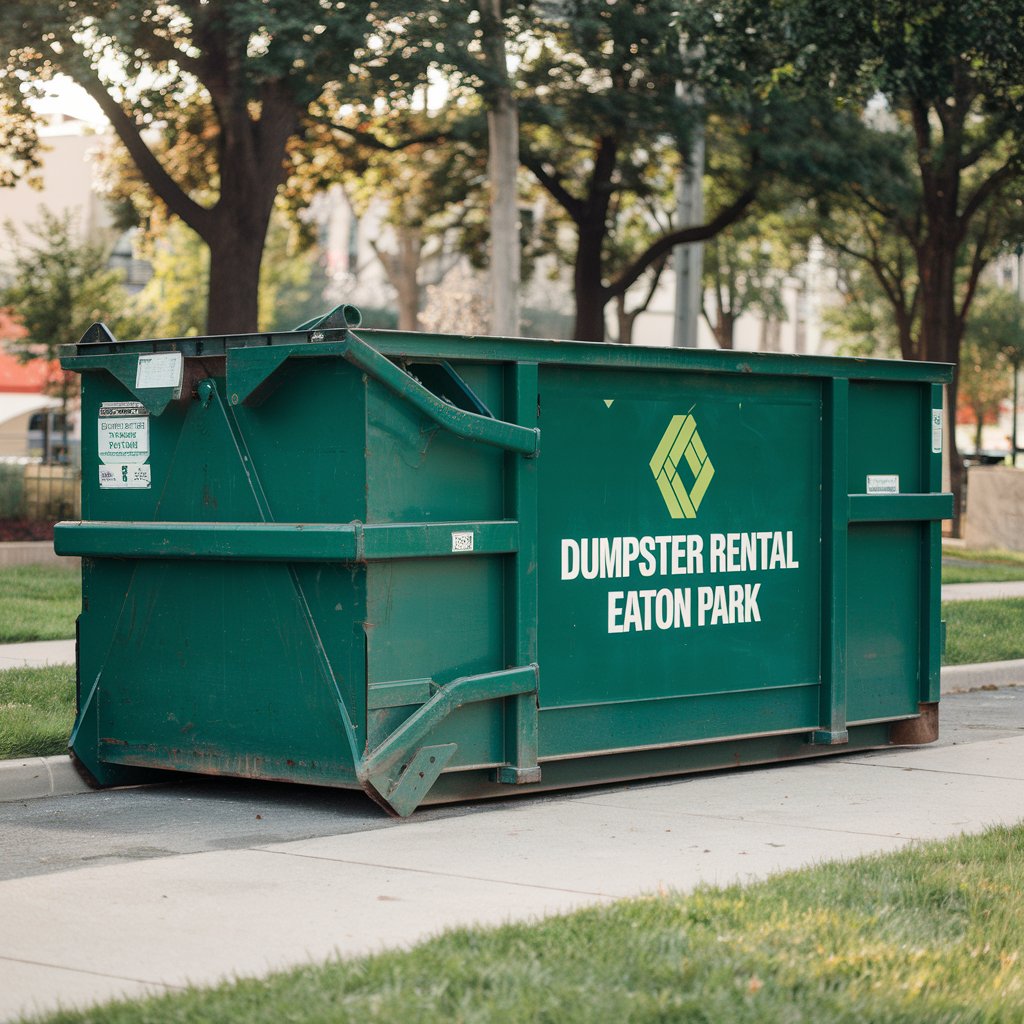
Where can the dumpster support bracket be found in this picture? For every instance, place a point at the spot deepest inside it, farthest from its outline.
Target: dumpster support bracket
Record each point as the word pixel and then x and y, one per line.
pixel 399 772
pixel 522 396
pixel 834 532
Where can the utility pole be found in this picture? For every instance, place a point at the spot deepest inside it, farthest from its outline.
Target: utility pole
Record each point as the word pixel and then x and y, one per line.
pixel 503 165
pixel 1016 362
pixel 689 259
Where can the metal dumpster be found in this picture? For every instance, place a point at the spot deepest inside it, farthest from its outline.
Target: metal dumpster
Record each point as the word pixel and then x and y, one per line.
pixel 441 567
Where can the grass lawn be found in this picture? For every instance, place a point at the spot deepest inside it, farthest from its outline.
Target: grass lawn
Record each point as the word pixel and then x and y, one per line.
pixel 37 710
pixel 960 566
pixel 981 573
pixel 39 602
pixel 983 630
pixel 932 934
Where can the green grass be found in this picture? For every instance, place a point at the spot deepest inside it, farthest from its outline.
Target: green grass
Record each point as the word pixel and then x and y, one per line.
pixel 39 602
pixel 999 566
pixel 931 934
pixel 983 630
pixel 37 709
pixel 981 574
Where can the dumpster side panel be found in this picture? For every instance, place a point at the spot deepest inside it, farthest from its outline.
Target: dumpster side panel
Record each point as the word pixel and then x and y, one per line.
pixel 307 442
pixel 231 684
pixel 416 472
pixel 435 620
pixel 244 667
pixel 884 620
pixel 890 454
pixel 886 437
pixel 679 557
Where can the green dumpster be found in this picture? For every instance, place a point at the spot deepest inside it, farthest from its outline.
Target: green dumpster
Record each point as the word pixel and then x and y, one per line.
pixel 437 568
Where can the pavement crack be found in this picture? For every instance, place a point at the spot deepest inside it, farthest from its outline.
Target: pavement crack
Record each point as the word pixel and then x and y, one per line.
pixel 744 820
pixel 934 771
pixel 430 871
pixel 95 974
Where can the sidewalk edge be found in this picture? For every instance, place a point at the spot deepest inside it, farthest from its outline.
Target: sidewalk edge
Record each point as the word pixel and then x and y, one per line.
pixel 30 778
pixel 982 676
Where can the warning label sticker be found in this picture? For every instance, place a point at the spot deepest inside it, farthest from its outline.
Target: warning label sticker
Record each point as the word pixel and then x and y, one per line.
pixel 123 433
pixel 124 445
pixel 125 475
pixel 883 484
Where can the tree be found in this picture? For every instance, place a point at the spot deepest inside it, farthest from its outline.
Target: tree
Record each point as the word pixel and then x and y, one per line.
pixel 292 280
pixel 599 106
pixel 993 346
pixel 176 295
pixel 432 194
pixel 952 118
pixel 612 89
pixel 984 381
pixel 59 286
pixel 862 321
pixel 229 83
pixel 746 265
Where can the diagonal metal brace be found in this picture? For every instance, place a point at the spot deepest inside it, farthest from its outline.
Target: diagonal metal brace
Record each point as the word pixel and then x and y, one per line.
pixel 381 769
pixel 469 425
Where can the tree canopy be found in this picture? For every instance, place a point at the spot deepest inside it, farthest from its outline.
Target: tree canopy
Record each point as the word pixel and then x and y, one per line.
pixel 228 85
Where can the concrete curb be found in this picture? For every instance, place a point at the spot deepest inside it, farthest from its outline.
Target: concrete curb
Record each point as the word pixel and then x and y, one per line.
pixel 33 552
pixel 959 678
pixel 982 591
pixel 33 777
pixel 37 654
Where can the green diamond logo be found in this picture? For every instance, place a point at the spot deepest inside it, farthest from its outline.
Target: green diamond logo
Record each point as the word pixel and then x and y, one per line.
pixel 682 468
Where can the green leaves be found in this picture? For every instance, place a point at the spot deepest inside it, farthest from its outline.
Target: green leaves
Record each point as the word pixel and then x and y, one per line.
pixel 61 284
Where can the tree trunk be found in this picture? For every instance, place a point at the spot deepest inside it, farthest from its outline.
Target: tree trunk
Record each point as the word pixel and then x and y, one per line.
pixel 588 288
pixel 235 259
pixel 503 166
pixel 406 278
pixel 403 273
pixel 626 320
pixel 941 329
pixel 725 331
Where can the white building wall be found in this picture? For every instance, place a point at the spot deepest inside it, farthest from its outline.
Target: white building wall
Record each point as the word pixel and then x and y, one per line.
pixel 69 182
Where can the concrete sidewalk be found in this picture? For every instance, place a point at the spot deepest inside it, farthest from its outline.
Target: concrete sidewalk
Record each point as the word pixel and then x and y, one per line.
pixel 982 591
pixel 37 654
pixel 156 925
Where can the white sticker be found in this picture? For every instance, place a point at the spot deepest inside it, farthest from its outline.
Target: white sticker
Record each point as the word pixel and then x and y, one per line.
pixel 883 485
pixel 125 475
pixel 462 541
pixel 163 370
pixel 123 433
pixel 936 431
